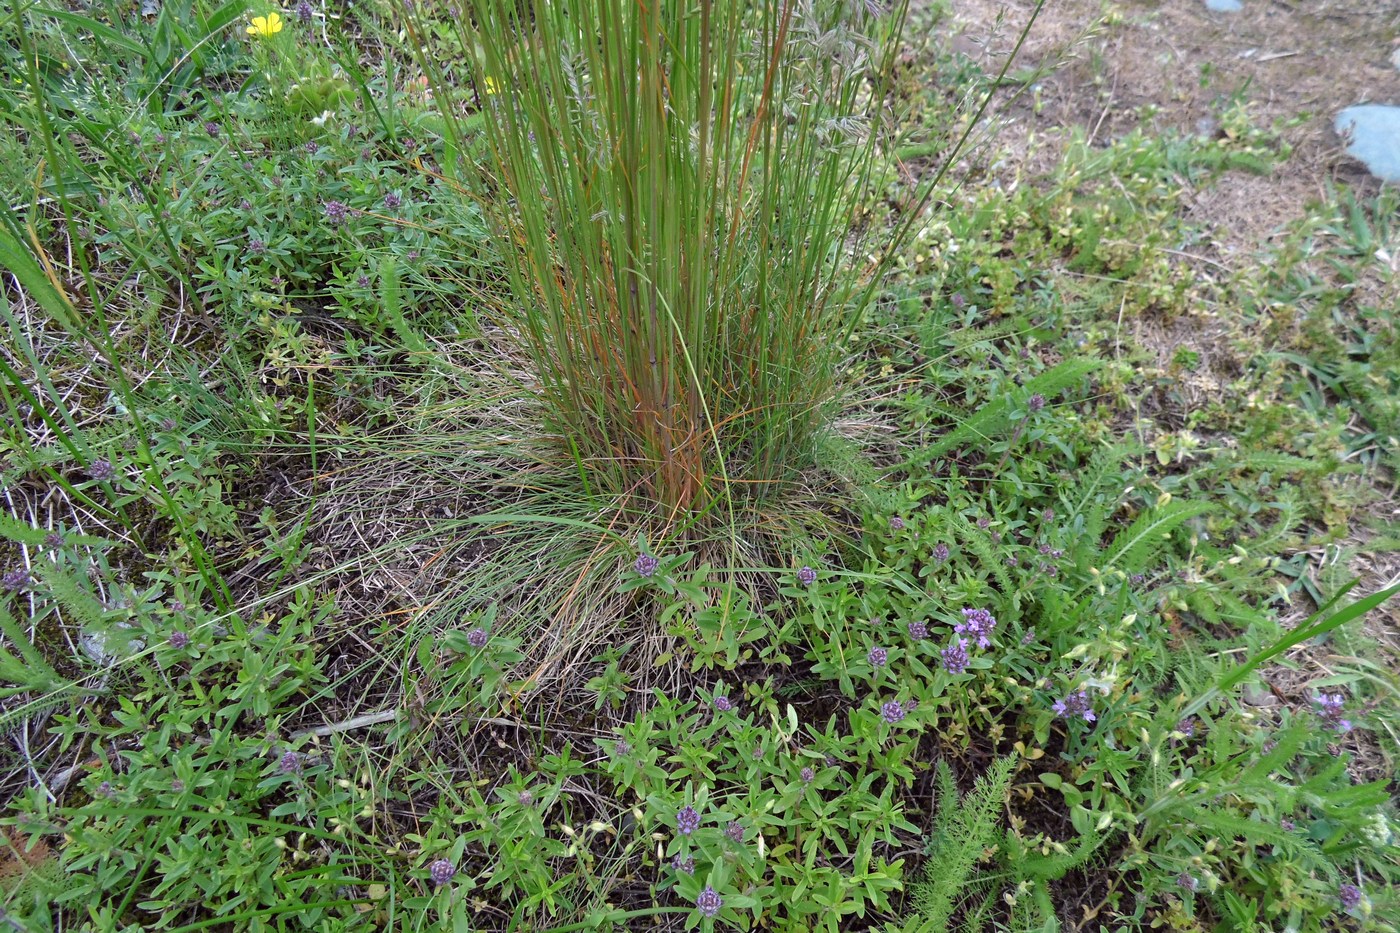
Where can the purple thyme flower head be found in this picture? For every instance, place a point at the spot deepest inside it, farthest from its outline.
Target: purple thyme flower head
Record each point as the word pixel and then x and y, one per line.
pixel 918 630
pixel 806 576
pixel 336 212
pixel 105 789
pixel 1076 704
pixel 256 246
pixel 525 798
pixel 53 540
pixel 686 865
pixel 723 704
pixel 477 637
pixel 313 147
pixel 984 523
pixel 304 11
pixel 245 205
pixel 955 657
pixel 1287 825
pixel 102 471
pixel 878 657
pixel 940 553
pixel 1187 727
pixel 1186 880
pixel 289 763
pixel 15 580
pixel 687 820
pixel 392 200
pixel 1350 896
pixel 1048 515
pixel 442 871
pixel 978 623
pixel 1330 707
pixel 179 639
pixel 1029 637
pixel 709 903
pixel 958 301
pixel 735 831
pixel 896 523
pixel 622 748
pixel 1036 402
pixel 211 128
pixel 1045 549
pixel 646 565
pixel 362 280
pixel 808 775
pixel 892 711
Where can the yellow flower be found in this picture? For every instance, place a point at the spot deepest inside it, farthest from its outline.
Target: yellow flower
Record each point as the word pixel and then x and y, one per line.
pixel 264 26
pixel 491 86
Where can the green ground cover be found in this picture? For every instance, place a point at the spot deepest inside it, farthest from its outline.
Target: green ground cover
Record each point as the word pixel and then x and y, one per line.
pixel 590 466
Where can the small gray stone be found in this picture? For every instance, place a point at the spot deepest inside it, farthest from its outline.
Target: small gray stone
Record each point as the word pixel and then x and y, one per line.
pixel 1255 695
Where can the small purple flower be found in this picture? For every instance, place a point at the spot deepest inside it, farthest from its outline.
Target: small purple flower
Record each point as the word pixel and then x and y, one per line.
pixel 1036 402
pixel 15 580
pixel 1287 825
pixel 918 630
pixel 53 540
pixel 978 623
pixel 525 798
pixel 984 523
pixel 646 565
pixel 892 711
pixel 687 820
pixel 211 128
pixel 1076 704
pixel 686 865
pixel 178 639
pixel 102 471
pixel 806 576
pixel 392 201
pixel 313 147
pixel 290 763
pixel 955 657
pixel 940 553
pixel 958 301
pixel 735 831
pixel 1048 515
pixel 1187 727
pixel 1350 896
pixel 362 280
pixel 256 246
pixel 1186 880
pixel 441 872
pixel 336 212
pixel 412 255
pixel 723 704
pixel 878 657
pixel 709 903
pixel 808 775
pixel 105 789
pixel 1330 707
pixel 1029 637
pixel 245 205
pixel 304 11
pixel 477 637
pixel 622 749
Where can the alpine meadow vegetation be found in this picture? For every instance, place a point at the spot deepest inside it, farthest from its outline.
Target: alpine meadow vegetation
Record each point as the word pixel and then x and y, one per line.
pixel 602 465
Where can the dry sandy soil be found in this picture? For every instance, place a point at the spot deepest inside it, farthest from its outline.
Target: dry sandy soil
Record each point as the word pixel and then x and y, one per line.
pixel 1296 61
